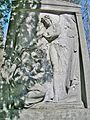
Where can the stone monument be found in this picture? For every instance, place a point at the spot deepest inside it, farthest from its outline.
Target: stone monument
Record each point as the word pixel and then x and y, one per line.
pixel 51 60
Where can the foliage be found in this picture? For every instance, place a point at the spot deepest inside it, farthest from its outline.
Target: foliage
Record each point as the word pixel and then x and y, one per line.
pixel 19 66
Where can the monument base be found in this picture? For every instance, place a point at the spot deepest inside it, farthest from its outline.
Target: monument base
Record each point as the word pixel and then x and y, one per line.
pixel 51 111
pixel 56 111
pixel 62 114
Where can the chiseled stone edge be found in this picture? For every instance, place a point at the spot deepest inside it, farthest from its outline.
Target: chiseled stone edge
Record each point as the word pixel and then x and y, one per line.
pixel 60 3
pixel 55 114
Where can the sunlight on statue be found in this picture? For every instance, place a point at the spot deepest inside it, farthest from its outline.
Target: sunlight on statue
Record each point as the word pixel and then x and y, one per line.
pixel 57 38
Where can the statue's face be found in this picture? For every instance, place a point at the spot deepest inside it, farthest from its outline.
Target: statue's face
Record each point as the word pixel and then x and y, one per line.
pixel 46 21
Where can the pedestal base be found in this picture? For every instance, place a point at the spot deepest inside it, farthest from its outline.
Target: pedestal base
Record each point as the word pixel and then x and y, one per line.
pixel 56 111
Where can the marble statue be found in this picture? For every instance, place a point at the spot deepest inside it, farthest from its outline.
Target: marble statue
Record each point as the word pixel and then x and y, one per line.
pixel 57 37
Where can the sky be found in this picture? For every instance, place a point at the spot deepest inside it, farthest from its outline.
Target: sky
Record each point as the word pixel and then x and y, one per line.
pixel 6 26
pixel 89 6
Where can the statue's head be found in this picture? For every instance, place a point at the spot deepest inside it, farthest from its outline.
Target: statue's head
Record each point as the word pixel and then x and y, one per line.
pixel 46 21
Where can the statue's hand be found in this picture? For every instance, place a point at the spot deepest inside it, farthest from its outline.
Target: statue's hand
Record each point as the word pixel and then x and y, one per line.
pixel 50 38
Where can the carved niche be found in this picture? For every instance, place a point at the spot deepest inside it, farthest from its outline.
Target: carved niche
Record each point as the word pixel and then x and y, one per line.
pixel 58 73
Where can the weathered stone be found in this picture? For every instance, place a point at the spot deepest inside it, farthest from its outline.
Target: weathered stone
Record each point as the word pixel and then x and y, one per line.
pixel 51 61
pixel 55 113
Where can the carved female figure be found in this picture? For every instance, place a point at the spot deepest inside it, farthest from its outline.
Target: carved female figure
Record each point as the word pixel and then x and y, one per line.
pixel 59 40
pixel 63 53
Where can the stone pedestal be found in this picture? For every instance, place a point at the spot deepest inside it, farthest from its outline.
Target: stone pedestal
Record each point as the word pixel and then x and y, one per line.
pixel 56 112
